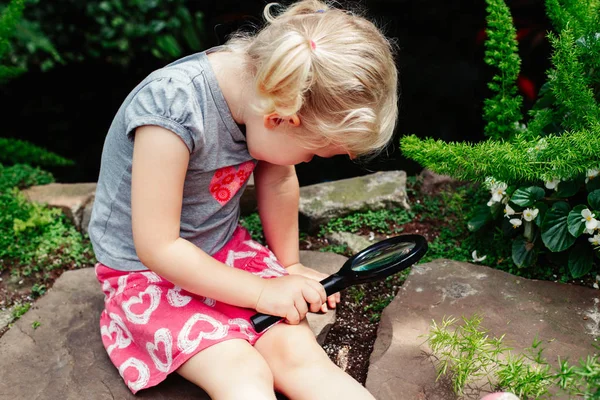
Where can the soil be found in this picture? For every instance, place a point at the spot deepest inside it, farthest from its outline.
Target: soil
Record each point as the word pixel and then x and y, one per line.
pixel 350 340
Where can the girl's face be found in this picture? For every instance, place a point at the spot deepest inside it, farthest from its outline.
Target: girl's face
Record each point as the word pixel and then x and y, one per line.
pixel 278 141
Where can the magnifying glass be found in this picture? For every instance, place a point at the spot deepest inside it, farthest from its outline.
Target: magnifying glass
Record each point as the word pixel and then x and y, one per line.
pixel 374 263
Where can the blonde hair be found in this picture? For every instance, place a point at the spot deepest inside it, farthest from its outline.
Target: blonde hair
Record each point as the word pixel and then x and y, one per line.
pixel 332 68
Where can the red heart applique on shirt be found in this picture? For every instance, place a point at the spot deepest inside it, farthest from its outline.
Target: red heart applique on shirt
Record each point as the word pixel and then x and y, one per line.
pixel 227 181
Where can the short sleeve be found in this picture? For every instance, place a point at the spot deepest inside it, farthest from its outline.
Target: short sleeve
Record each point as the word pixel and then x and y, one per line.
pixel 170 104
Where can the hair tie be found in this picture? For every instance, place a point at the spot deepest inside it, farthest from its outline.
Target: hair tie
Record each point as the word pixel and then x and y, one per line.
pixel 320 11
pixel 313 45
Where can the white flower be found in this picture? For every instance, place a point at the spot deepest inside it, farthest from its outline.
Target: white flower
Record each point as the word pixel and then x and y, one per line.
pixel 590 221
pixel 490 203
pixel 595 240
pixel 591 174
pixel 595 285
pixel 529 214
pixel 589 231
pixel 498 191
pixel 552 184
pixel 516 222
pixel 475 258
pixel 508 211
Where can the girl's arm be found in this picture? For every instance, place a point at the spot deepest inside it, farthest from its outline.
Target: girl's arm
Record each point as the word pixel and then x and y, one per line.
pixel 278 193
pixel 160 160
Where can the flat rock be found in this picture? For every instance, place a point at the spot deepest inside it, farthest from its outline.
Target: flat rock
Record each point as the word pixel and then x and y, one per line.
pixel 63 358
pixel 323 201
pixel 565 317
pixel 72 198
pixel 354 242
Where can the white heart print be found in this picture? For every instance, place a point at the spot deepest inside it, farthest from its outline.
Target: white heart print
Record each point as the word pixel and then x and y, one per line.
pixel 163 336
pixel 176 299
pixel 187 345
pixel 143 373
pixel 154 293
pixel 122 334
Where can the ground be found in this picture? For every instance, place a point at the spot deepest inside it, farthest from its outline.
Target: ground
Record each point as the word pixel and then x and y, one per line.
pixel 439 216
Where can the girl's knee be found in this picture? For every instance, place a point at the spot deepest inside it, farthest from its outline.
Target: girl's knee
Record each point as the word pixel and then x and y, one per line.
pixel 230 370
pixel 292 347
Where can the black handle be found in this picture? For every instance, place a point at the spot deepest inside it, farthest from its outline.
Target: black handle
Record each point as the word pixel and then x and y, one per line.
pixel 332 284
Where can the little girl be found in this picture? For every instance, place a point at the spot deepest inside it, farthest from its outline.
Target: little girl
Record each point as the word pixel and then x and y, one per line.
pixel 181 278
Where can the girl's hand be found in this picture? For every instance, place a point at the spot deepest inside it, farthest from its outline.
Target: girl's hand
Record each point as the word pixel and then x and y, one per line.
pixel 290 297
pixel 299 269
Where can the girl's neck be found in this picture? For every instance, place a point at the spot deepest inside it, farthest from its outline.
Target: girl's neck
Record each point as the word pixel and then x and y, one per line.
pixel 235 83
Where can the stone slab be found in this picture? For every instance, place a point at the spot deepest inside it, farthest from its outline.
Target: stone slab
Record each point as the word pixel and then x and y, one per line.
pixel 565 317
pixel 64 358
pixel 323 201
pixel 72 198
pixel 354 242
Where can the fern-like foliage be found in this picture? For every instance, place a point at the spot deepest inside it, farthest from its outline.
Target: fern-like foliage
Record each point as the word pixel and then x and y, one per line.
pixel 521 160
pixel 503 110
pixel 562 136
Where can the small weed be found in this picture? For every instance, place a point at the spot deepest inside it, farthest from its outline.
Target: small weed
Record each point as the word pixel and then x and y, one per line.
pixel 339 249
pixel 38 290
pixel 382 221
pixel 20 310
pixel 468 354
pixel 254 226
pixel 35 324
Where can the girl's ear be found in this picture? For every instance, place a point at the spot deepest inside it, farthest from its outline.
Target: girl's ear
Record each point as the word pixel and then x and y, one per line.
pixel 273 120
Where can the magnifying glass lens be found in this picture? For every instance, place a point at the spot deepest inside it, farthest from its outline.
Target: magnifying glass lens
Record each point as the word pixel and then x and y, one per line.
pixel 383 256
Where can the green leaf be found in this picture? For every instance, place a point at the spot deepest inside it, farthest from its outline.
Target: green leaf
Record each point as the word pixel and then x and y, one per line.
pixel 575 221
pixel 567 188
pixel 593 184
pixel 594 199
pixel 528 196
pixel 524 253
pixel 481 216
pixel 555 229
pixel 581 259
pixel 543 207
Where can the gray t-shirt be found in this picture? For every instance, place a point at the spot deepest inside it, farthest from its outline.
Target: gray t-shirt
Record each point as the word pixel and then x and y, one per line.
pixel 183 97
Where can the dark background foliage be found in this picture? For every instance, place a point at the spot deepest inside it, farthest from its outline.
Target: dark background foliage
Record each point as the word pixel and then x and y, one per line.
pixel 68 108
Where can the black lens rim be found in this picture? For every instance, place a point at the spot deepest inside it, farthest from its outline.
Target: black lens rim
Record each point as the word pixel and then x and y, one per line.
pixel 402 263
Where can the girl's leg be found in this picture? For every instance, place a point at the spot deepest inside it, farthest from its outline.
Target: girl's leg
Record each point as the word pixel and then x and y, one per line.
pixel 301 368
pixel 230 370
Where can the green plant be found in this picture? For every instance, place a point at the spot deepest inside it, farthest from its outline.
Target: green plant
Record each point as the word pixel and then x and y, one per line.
pixel 36 324
pixel 339 249
pixel 20 309
pixel 15 151
pixel 377 221
pixel 38 290
pixel 32 236
pixel 10 15
pixel 542 174
pixel 21 176
pixel 254 226
pixel 467 354
pixel 115 31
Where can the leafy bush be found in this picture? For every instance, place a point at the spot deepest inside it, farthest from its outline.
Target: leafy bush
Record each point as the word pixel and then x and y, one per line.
pixel 15 151
pixel 9 18
pixel 22 176
pixel 542 174
pixel 467 354
pixel 33 235
pixel 116 31
pixel 254 226
pixel 39 237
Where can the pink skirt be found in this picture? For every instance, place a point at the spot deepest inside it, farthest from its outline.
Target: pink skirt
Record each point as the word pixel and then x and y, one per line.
pixel 150 327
